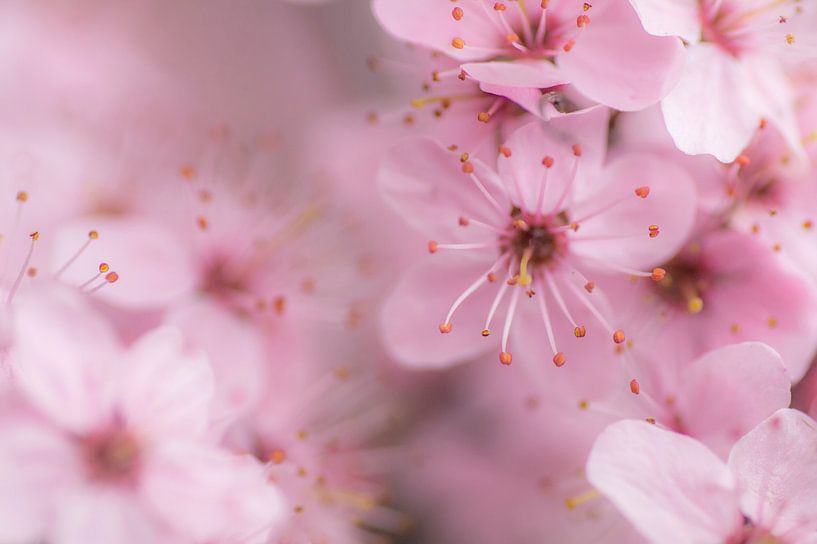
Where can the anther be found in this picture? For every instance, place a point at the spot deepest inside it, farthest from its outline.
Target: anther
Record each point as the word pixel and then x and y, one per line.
pixel 277 457
pixel 635 389
pixel 486 332
pixel 505 151
pixel 580 331
pixel 202 223
pixel 559 359
pixel 547 162
pixel 457 43
pixel 618 336
pixel 790 39
pixel 433 246
pixel 577 150
pixel 582 21
pixel 650 420
pixel 658 274
pixel 445 328
pixel 642 192
pixel 695 305
pixel 457 13
pixel 589 286
pixel 22 196
pixel 467 168
pixel 499 6
pixel 483 117
pixel 491 277
pixel 505 358
pixel 103 267
pixel 463 221
pixel 111 277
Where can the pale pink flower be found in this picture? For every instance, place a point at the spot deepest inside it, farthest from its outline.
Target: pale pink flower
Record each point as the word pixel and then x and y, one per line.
pixel 733 80
pixel 112 445
pixel 674 490
pixel 724 287
pixel 551 215
pixel 515 49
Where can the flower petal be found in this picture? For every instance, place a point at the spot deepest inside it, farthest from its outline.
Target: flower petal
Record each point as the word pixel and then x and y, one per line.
pixel 670 486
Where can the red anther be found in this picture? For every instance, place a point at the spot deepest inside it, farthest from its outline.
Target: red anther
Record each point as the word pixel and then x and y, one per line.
pixel 513 281
pixel 491 277
pixel 506 151
pixel 618 336
pixel 577 150
pixel 505 358
pixel 457 13
pixel 499 6
pixel 457 43
pixel 187 171
pixel 462 75
pixel 559 359
pixel 280 304
pixel 635 389
pixel 650 420
pixel 589 286
pixel 467 168
pixel 762 124
pixel 742 160
pixel 642 192
pixel 582 21
pixel 658 274
pixel 445 328
pixel 544 4
pixel 580 331
pixel 483 117
pixel 111 277
pixel 547 162
pixel 201 221
pixel 568 46
pixel 433 246
pixel 463 221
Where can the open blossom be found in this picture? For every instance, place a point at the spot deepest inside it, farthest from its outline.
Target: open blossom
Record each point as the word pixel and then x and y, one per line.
pixel 107 444
pixel 516 49
pixel 674 490
pixel 733 80
pixel 533 231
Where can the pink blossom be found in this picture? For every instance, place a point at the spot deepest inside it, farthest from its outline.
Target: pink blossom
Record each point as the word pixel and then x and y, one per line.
pixel 541 224
pixel 110 445
pixel 733 80
pixel 512 48
pixel 673 489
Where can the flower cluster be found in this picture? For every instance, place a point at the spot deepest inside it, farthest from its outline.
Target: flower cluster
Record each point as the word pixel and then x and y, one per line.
pixel 546 274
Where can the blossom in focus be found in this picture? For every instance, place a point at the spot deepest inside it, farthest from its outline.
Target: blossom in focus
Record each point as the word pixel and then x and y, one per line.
pixel 673 489
pixel 536 228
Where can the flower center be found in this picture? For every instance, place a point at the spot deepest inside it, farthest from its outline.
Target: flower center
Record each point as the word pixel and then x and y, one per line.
pixel 685 283
pixel 112 456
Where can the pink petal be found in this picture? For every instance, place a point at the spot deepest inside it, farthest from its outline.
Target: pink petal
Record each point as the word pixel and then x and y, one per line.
pixel 523 172
pixel 670 206
pixel 537 74
pixel 207 494
pixel 776 466
pixel 430 23
pixel 677 18
pixel 235 353
pixel 62 357
pixel 670 486
pixel 154 267
pixel 626 74
pixel 713 109
pixel 37 466
pixel 100 514
pixel 425 184
pixel 727 392
pixel 418 304
pixel 165 391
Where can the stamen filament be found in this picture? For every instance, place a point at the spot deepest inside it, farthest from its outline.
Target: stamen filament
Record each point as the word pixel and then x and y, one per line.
pixel 34 237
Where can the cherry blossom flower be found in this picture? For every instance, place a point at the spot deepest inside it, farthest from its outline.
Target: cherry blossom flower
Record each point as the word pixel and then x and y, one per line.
pixel 537 227
pixel 733 80
pixel 109 444
pixel 514 49
pixel 673 489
